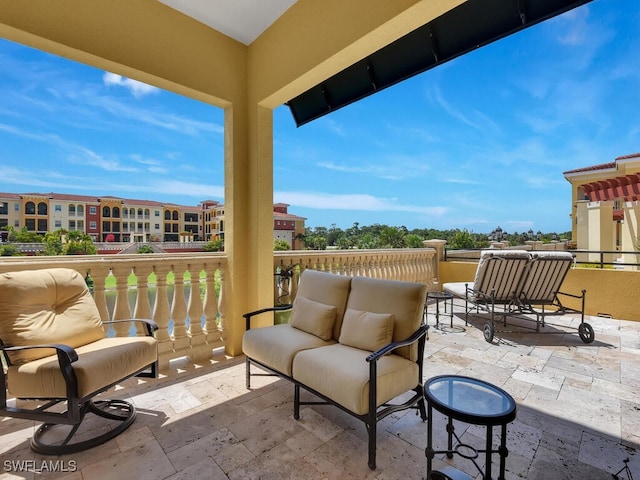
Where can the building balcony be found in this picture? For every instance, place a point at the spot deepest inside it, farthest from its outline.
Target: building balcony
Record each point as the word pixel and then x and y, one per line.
pixel 577 403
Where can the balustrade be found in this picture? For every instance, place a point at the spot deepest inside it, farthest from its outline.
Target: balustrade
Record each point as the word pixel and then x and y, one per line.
pixel 184 293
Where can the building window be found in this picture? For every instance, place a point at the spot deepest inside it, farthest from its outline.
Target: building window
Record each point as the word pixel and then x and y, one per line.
pixel 72 224
pixel 58 224
pixel 167 215
pixel 72 210
pixel 16 223
pixel 42 208
pixel 30 223
pixel 106 212
pixel 80 211
pixel 43 225
pixel 93 210
pixel 106 226
pixel 30 208
pixel 157 213
pixel 116 212
pixel 58 208
pixel 93 225
pixel 16 207
pixel 157 226
pixel 81 225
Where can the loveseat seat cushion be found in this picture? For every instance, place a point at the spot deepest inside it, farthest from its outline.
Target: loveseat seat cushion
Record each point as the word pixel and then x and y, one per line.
pixel 100 363
pixel 341 373
pixel 277 345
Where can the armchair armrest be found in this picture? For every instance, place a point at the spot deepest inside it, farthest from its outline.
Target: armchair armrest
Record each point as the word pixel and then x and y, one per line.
pixel 150 326
pixel 66 354
pixel 247 316
pixel 417 335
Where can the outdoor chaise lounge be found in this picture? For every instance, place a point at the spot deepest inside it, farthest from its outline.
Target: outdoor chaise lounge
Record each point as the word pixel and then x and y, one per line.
pixel 520 284
pixel 56 351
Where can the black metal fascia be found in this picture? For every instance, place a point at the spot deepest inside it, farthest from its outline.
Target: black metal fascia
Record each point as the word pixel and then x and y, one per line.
pixel 469 26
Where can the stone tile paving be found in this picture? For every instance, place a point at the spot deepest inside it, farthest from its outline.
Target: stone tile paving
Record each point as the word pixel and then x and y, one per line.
pixel 578 416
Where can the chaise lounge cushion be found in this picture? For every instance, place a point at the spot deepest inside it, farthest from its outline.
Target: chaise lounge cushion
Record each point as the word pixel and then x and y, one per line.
pixel 366 330
pixel 314 317
pixel 341 373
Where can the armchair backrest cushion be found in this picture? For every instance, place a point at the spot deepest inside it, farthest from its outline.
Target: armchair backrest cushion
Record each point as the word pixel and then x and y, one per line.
pixel 325 288
pixel 47 306
pixel 403 300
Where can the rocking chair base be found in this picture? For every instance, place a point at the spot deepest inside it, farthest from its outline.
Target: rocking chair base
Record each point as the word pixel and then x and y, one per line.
pixel 57 439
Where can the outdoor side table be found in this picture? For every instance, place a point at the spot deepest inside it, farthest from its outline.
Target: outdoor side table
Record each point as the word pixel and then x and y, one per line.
pixel 471 401
pixel 445 298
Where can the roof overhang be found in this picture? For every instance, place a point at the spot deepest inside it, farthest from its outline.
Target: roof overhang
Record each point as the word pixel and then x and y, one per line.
pixel 473 24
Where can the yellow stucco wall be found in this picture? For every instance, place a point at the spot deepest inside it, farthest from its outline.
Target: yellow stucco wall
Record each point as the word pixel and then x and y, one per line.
pixel 612 292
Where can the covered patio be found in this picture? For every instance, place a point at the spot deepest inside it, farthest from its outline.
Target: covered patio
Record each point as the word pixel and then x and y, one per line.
pixel 578 416
pixel 316 56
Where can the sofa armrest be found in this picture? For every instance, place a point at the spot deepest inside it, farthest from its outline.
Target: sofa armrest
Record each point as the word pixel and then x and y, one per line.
pixel 247 316
pixel 150 326
pixel 417 335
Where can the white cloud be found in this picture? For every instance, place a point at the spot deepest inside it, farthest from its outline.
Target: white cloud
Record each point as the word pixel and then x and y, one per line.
pixel 362 202
pixel 137 89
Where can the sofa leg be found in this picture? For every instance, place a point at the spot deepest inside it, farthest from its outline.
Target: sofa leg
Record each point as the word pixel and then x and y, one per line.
pixel 296 402
pixel 372 445
pixel 248 373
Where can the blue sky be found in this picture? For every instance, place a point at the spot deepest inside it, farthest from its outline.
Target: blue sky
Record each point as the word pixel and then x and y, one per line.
pixel 477 142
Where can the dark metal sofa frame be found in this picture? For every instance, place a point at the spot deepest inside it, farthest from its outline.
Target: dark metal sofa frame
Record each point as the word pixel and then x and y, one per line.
pixel 375 414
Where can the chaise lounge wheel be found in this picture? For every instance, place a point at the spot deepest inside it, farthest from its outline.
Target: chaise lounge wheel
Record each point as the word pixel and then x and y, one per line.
pixel 58 439
pixel 587 335
pixel 489 331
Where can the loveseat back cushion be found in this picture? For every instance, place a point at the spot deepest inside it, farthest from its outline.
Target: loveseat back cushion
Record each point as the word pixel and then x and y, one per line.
pixel 326 288
pixel 313 317
pixel 46 306
pixel 366 330
pixel 404 300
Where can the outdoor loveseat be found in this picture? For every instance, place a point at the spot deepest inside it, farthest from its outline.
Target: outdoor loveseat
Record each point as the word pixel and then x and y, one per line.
pixel 354 342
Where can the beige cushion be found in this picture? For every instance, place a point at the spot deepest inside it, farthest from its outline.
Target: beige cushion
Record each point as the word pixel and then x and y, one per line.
pixel 276 345
pixel 403 300
pixel 366 330
pixel 99 364
pixel 313 317
pixel 342 373
pixel 326 288
pixel 46 306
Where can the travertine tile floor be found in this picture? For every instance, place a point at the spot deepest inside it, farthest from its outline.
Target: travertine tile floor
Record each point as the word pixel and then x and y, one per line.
pixel 578 417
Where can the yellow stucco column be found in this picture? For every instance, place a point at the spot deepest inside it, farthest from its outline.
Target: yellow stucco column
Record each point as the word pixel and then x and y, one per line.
pixel 249 217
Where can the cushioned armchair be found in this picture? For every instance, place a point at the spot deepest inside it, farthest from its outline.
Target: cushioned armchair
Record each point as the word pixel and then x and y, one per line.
pixel 56 351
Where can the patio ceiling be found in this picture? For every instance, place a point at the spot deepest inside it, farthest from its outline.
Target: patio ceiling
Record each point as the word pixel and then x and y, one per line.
pixel 469 26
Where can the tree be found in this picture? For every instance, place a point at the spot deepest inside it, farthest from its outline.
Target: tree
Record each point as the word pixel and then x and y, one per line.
pixel 281 245
pixel 413 241
pixel 214 246
pixel 462 239
pixel 61 242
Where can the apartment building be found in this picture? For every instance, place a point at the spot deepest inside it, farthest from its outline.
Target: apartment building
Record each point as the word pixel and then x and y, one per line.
pixel 605 199
pixel 115 219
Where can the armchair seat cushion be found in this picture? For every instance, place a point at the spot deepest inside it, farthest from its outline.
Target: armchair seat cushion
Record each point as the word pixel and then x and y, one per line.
pixel 278 344
pixel 100 363
pixel 341 373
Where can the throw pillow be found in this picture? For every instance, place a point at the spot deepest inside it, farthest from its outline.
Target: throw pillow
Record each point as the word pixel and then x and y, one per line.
pixel 366 330
pixel 314 317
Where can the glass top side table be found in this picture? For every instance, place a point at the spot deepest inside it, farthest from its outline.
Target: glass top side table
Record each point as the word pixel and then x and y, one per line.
pixel 471 401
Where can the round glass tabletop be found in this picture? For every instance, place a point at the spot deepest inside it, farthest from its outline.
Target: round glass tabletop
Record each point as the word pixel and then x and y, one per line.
pixel 470 400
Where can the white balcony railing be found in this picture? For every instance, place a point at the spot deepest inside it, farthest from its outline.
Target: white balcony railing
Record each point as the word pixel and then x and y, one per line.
pixel 190 313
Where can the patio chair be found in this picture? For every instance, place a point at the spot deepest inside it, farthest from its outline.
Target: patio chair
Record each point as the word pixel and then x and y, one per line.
pixel 55 351
pixel 497 282
pixel 540 291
